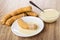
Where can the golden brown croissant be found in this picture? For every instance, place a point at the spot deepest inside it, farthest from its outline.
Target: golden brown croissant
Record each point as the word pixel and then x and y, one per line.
pixel 25 25
pixel 12 19
pixel 22 24
pixel 5 17
pixel 32 14
pixel 21 10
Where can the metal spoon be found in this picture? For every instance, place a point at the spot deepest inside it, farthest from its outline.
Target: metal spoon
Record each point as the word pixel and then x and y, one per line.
pixel 35 5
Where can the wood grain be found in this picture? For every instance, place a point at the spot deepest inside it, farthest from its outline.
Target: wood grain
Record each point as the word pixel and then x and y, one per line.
pixel 50 32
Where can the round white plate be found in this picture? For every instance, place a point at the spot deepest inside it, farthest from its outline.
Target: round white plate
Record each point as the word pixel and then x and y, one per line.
pixel 16 29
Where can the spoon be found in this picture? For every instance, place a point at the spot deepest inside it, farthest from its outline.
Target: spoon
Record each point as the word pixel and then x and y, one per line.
pixel 35 5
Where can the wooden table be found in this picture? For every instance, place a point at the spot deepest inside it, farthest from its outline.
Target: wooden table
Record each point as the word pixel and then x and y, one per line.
pixel 50 32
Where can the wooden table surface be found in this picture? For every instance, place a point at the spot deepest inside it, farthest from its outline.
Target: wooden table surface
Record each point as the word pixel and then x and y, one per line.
pixel 50 32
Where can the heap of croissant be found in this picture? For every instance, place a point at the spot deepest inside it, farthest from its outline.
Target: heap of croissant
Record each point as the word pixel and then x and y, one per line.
pixel 9 18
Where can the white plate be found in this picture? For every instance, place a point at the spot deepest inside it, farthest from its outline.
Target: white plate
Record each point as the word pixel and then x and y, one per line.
pixel 16 29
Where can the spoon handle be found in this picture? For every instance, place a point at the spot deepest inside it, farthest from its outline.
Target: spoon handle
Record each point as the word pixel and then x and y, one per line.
pixel 35 5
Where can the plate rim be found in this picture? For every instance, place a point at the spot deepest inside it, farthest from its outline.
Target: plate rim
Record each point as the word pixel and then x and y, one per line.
pixel 30 35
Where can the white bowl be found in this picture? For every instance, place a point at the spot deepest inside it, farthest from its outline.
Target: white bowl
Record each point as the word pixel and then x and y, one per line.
pixel 16 29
